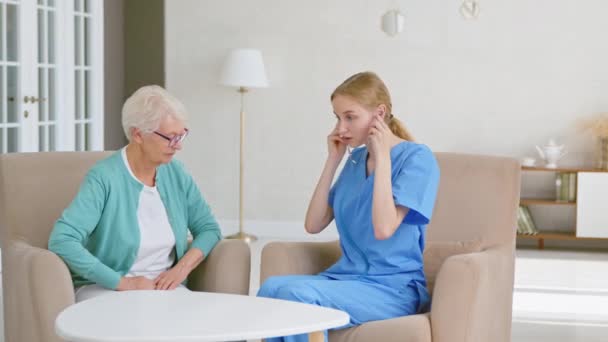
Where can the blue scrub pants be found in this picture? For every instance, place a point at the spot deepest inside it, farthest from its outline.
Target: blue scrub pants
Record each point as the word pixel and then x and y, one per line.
pixel 363 300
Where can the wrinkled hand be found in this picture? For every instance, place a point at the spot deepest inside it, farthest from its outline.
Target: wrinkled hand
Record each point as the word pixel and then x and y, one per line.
pixel 171 278
pixel 335 145
pixel 135 283
pixel 379 138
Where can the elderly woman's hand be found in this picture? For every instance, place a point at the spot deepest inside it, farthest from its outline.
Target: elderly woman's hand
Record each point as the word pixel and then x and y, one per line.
pixel 171 278
pixel 135 283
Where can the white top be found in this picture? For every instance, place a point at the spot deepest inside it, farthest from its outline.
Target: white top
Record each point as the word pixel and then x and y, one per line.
pixel 180 316
pixel 156 252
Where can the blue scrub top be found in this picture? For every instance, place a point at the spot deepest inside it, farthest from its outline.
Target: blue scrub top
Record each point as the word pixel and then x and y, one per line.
pixel 397 261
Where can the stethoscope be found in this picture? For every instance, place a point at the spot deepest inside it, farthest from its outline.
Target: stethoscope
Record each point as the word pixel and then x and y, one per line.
pixel 350 150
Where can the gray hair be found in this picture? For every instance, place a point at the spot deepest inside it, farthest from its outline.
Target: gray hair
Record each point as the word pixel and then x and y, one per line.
pixel 146 108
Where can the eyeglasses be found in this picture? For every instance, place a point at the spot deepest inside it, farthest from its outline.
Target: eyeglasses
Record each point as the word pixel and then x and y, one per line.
pixel 174 140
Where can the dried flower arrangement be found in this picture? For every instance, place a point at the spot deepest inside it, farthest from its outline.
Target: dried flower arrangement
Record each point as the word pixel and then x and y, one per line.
pixel 596 125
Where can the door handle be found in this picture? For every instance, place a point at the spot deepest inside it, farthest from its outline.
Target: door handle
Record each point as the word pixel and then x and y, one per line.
pixel 32 99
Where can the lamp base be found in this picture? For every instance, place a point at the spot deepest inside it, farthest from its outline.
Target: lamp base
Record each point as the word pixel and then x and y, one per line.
pixel 248 238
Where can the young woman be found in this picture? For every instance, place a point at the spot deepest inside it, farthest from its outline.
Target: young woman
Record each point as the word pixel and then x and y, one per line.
pixel 382 202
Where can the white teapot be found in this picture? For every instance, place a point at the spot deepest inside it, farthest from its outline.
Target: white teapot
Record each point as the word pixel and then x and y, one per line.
pixel 551 153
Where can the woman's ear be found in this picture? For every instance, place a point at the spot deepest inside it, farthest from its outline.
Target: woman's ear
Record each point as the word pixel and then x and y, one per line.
pixel 136 135
pixel 381 111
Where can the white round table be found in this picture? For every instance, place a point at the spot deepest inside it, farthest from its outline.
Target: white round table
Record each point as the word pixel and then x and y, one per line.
pixel 179 316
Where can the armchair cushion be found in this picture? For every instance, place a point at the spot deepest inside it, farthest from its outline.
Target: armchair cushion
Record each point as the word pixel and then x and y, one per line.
pixel 283 258
pixel 226 269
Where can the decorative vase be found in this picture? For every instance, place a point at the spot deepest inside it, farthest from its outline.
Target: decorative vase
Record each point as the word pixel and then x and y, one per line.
pixel 601 154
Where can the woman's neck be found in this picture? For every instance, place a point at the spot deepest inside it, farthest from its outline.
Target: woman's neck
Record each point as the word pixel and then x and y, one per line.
pixel 142 169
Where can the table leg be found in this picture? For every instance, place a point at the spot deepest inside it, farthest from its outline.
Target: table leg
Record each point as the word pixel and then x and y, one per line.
pixel 316 336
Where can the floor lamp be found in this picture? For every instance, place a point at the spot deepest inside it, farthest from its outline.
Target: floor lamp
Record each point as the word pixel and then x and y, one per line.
pixel 243 69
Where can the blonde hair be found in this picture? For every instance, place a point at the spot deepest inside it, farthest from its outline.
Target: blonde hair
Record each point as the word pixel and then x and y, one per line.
pixel 369 90
pixel 147 107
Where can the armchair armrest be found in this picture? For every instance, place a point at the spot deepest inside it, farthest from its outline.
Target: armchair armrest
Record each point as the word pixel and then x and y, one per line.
pixel 473 295
pixel 37 286
pixel 282 258
pixel 226 269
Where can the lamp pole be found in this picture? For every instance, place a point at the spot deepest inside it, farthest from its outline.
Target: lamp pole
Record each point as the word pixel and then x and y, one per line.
pixel 241 235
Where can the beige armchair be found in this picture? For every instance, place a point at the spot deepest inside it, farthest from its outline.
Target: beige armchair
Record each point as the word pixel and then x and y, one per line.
pixel 34 190
pixel 468 258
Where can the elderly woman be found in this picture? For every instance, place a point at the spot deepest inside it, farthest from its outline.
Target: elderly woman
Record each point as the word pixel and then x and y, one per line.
pixel 127 228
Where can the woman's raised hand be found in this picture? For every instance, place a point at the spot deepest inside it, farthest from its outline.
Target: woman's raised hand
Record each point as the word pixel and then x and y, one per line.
pixel 335 145
pixel 379 138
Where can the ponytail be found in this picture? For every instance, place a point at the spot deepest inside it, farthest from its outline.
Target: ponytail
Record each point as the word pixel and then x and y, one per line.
pixel 399 129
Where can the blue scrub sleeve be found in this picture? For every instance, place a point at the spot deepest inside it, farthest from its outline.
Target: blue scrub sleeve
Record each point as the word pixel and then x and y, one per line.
pixel 415 186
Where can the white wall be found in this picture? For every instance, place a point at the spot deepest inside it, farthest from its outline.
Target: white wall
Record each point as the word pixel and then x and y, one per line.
pixel 523 72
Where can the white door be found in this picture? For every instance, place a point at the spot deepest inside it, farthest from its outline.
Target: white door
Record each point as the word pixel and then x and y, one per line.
pixel 51 75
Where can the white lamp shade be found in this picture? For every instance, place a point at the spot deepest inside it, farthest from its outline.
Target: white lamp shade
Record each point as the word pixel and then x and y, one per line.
pixel 244 68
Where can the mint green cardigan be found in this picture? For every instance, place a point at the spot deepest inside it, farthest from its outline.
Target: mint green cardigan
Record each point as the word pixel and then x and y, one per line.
pixel 98 234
